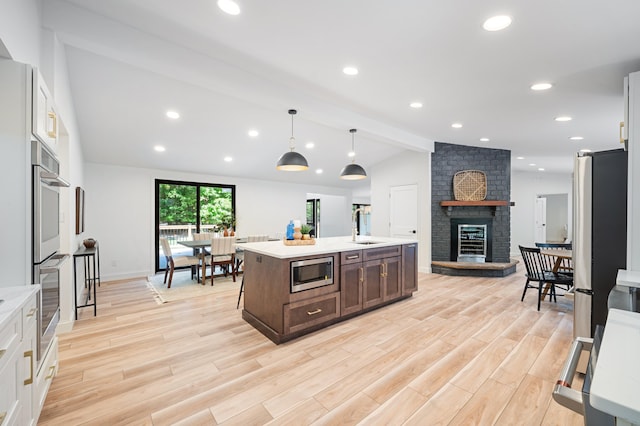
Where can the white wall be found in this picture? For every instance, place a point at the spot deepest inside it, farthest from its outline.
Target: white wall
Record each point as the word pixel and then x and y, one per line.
pixel 525 187
pixel 335 214
pixel 404 169
pixel 20 30
pixel 120 212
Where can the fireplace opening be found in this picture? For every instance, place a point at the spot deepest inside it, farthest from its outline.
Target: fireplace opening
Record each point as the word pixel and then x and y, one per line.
pixel 471 240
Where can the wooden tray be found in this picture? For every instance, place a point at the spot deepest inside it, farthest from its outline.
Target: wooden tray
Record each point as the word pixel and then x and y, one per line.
pixel 299 242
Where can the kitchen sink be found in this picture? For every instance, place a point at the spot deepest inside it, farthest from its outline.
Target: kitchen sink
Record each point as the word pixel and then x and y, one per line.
pixel 367 242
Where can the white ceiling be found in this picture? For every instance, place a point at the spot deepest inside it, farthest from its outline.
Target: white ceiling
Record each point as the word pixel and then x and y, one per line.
pixel 130 61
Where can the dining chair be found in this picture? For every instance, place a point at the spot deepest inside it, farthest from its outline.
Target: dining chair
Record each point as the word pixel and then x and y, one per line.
pixel 250 239
pixel 566 266
pixel 223 254
pixel 536 272
pixel 176 262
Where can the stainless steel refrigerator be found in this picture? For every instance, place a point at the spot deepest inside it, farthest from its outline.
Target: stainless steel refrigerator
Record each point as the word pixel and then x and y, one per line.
pixel 599 234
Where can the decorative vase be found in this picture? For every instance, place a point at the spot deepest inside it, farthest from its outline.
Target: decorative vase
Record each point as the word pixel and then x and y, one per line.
pixel 225 233
pixel 297 235
pixel 232 233
pixel 89 243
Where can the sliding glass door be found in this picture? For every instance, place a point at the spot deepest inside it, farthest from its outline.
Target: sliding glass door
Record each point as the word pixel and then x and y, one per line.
pixel 183 208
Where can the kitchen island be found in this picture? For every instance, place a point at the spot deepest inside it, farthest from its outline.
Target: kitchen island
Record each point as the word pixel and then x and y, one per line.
pixel 290 291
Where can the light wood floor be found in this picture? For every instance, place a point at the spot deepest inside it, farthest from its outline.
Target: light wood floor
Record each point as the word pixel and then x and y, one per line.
pixel 462 351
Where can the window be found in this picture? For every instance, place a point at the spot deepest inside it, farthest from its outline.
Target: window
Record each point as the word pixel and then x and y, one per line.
pixel 183 208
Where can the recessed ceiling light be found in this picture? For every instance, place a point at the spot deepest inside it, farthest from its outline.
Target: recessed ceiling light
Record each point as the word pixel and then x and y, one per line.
pixel 173 114
pixel 415 105
pixel 541 169
pixel 497 23
pixel 532 164
pixel 563 118
pixel 350 70
pixel 229 6
pixel 351 154
pixel 576 138
pixel 519 158
pixel 228 159
pixel 585 150
pixel 253 133
pixel 309 145
pixel 318 171
pixel 541 86
pixel 457 125
pixel 159 148
pixel 484 139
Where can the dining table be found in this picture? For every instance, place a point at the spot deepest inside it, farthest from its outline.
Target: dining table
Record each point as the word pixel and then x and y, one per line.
pixel 199 247
pixel 560 255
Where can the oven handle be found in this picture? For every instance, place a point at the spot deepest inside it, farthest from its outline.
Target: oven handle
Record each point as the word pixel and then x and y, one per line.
pixel 50 269
pixel 53 179
pixel 562 392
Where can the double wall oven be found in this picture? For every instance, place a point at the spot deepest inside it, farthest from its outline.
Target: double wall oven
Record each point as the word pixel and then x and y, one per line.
pixel 47 259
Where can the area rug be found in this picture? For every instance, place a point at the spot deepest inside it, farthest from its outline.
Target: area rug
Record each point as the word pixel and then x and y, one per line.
pixel 183 287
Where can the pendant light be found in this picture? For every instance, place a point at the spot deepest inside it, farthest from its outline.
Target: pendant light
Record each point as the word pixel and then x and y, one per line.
pixel 353 171
pixel 292 161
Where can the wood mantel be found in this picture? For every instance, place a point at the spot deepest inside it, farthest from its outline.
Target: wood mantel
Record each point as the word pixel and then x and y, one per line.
pixel 449 204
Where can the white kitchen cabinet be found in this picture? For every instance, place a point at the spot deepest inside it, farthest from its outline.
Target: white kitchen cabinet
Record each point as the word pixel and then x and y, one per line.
pixel 44 377
pixel 44 117
pixel 18 340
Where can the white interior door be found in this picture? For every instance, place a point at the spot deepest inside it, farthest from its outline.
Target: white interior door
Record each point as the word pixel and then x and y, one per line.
pixel 541 220
pixel 403 217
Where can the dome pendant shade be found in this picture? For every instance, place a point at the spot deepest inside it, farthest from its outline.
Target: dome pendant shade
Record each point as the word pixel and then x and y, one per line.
pixel 292 161
pixel 353 171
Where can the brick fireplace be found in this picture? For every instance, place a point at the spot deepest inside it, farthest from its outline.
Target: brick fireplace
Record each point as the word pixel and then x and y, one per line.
pixel 446 161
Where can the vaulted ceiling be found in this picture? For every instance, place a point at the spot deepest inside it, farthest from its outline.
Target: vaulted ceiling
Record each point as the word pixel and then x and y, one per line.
pixel 130 61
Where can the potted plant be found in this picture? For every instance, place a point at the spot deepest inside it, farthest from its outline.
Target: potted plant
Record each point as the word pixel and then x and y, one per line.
pixel 305 230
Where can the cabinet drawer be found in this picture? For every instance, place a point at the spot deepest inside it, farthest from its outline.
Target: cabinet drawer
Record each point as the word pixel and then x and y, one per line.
pixel 307 313
pixel 10 337
pixel 11 383
pixel 348 257
pixel 30 313
pixel 381 252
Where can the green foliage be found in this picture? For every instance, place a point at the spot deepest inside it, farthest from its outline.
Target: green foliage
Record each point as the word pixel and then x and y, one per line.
pixel 305 229
pixel 178 205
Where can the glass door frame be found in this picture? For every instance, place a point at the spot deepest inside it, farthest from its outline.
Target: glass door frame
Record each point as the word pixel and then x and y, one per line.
pixel 198 185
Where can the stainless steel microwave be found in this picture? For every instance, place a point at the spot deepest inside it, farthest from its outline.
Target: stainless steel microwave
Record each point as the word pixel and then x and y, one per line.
pixel 311 273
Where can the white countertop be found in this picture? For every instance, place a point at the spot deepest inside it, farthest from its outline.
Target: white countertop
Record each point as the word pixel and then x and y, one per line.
pixel 616 380
pixel 14 298
pixel 277 249
pixel 628 278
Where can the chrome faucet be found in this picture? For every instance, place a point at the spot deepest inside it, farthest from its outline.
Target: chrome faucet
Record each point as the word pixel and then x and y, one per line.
pixel 354 224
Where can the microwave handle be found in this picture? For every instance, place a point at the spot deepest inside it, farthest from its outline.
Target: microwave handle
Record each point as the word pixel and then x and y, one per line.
pixel 53 179
pixel 562 392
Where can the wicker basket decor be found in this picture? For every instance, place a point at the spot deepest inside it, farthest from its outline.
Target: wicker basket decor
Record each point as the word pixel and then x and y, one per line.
pixel 310 242
pixel 470 185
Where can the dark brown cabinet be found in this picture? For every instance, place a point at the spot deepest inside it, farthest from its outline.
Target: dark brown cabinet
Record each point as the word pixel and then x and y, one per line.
pixel 409 268
pixel 364 280
pixel 351 278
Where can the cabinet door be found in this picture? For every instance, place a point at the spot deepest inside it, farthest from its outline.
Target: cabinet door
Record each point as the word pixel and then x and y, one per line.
pixel 44 377
pixel 392 278
pixel 351 278
pixel 373 285
pixel 409 268
pixel 44 118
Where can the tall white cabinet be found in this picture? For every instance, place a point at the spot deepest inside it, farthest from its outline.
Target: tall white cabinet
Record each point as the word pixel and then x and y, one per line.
pixel 633 200
pixel 27 111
